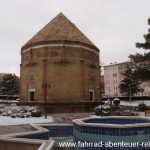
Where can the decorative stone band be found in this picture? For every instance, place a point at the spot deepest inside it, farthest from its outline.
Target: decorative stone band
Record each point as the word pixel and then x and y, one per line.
pixel 84 46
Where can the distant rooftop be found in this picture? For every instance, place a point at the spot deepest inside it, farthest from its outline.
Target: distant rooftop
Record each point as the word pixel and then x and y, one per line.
pixel 115 63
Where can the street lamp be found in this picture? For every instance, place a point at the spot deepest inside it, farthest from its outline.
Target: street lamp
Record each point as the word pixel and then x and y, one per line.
pixel 45 86
pixel 130 93
pixel 142 90
pixel 130 88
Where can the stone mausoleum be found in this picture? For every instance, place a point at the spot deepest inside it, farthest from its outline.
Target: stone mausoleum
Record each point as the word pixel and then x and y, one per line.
pixel 60 64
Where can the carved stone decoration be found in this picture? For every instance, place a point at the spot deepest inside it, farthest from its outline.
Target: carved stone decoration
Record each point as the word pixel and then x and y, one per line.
pixel 38 53
pixel 31 77
pixel 53 53
pixel 63 61
pixel 72 53
pixel 92 65
pixel 92 80
pixel 31 81
pixel 26 56
pixel 31 64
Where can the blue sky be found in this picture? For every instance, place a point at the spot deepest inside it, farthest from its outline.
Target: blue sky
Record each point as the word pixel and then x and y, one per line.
pixel 114 26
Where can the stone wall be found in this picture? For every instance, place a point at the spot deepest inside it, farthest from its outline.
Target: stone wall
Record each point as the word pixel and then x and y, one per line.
pixel 69 72
pixel 10 145
pixel 64 107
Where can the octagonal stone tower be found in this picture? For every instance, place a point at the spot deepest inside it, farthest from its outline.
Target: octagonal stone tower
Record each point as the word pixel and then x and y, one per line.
pixel 60 64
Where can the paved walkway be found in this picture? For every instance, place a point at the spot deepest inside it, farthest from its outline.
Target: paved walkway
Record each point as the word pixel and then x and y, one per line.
pixel 57 118
pixel 68 117
pixel 15 129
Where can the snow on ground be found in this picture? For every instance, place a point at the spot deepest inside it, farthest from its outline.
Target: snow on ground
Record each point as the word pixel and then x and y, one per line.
pixel 11 114
pixel 134 103
pixel 8 101
pixel 17 121
pixel 141 113
pixel 125 103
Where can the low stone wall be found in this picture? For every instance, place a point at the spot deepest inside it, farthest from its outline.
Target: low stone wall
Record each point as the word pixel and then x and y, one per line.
pixel 16 145
pixel 9 143
pixel 38 139
pixel 64 107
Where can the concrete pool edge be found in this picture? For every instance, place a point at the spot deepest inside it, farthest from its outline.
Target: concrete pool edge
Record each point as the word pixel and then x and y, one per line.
pixel 42 144
pixel 112 129
pixel 81 122
pixel 38 129
pixel 18 138
pixel 22 137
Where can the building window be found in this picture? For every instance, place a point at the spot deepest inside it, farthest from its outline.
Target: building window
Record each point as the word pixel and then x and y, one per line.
pixel 31 77
pixel 107 75
pixel 106 69
pixel 31 95
pixel 107 82
pixel 114 81
pixel 91 95
pixel 114 74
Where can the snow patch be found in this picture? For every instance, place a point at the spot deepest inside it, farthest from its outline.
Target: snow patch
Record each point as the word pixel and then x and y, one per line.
pixel 18 121
pixel 11 114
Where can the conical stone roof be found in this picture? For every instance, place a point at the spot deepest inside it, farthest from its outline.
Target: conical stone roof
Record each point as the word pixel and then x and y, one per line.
pixel 59 30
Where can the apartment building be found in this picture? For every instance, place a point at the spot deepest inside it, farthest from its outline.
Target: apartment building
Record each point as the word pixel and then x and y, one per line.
pixel 113 76
pixel 146 89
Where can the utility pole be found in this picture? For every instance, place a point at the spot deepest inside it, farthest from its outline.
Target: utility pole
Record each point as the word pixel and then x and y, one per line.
pixel 130 92
pixel 130 89
pixel 44 87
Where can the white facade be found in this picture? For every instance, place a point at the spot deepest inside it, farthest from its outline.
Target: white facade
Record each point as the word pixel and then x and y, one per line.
pixel 113 76
pixel 146 89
